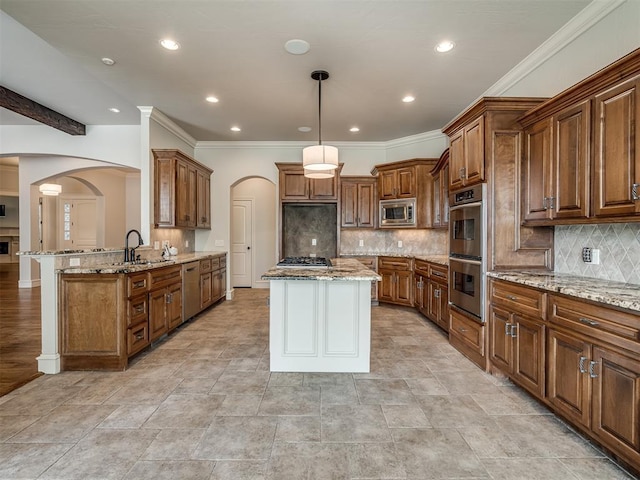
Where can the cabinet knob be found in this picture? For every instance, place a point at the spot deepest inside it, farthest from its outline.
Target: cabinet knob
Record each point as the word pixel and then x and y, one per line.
pixel 511 297
pixel 581 365
pixel 139 336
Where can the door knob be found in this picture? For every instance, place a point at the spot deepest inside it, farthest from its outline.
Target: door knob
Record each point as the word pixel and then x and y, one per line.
pixel 248 248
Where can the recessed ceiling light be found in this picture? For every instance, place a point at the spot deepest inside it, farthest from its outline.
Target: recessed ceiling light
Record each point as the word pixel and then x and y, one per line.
pixel 108 61
pixel 170 44
pixel 236 129
pixel 304 129
pixel 445 46
pixel 354 129
pixel 114 110
pixel 408 99
pixel 212 99
pixel 297 46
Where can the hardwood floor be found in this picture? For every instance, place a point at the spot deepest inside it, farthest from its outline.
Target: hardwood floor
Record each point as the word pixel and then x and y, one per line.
pixel 20 334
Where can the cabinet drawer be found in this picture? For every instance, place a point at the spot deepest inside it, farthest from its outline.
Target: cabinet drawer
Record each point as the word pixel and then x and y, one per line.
pixel 468 337
pixel 137 338
pixel 421 267
pixel 137 310
pixel 164 276
pixel 205 265
pixel 215 263
pixel 223 261
pixel 137 283
pixel 369 262
pixel 394 263
pixel 605 324
pixel 439 273
pixel 517 298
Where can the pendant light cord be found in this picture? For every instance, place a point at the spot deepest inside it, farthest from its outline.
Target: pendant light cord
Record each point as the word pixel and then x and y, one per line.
pixel 320 110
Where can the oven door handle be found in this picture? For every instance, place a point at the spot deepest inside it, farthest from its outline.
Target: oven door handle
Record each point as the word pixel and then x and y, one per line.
pixel 465 205
pixel 465 260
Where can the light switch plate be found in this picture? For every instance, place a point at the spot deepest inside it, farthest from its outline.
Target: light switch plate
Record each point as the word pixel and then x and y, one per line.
pixel 361 243
pixel 74 262
pixel 219 243
pixel 399 243
pixel 314 241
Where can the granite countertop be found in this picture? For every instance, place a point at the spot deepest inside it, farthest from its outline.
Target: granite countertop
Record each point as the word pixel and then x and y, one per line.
pixel 341 269
pixel 121 267
pixel 433 258
pixel 617 294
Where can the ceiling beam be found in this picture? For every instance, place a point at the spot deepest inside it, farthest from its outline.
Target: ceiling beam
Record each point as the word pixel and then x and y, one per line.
pixel 27 107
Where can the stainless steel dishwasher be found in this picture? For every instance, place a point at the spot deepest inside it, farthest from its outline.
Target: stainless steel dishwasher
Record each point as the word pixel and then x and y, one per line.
pixel 190 289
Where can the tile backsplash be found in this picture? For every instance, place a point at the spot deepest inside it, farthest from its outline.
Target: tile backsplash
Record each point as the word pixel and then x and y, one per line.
pixel 381 242
pixel 619 246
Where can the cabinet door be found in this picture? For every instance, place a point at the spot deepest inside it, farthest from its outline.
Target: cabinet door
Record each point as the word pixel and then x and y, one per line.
pixel 174 305
pixel 536 172
pixel 474 152
pixel 186 186
pixel 294 185
pixel 572 135
pixel 456 160
pixel 404 288
pixel 444 195
pixel 157 314
pixel 349 205
pixel 529 354
pixel 366 205
pixel 406 182
pixel 216 286
pixel 616 400
pixel 388 184
pixel 203 200
pixel 324 188
pixel 387 286
pixel 206 292
pixel 164 194
pixel 418 287
pixel 617 153
pixel 433 299
pixel 436 206
pixel 500 342
pixel 443 312
pixel 223 282
pixel 568 384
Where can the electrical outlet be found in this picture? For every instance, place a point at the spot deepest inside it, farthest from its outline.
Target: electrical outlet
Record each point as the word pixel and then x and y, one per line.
pixel 186 244
pixel 312 255
pixel 399 243
pixel 156 245
pixel 586 254
pixel 591 255
pixel 314 241
pixel 74 262
pixel 361 243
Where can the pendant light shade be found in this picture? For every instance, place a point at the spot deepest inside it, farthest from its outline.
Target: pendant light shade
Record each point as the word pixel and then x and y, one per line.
pixel 319 158
pixel 319 173
pixel 50 189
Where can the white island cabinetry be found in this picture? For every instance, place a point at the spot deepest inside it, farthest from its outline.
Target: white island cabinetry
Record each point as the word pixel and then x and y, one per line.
pixel 320 319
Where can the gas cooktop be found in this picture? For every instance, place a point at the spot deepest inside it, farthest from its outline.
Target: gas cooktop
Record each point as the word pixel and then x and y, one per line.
pixel 304 262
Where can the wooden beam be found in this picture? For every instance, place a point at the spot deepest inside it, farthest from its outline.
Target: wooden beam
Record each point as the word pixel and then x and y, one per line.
pixel 27 107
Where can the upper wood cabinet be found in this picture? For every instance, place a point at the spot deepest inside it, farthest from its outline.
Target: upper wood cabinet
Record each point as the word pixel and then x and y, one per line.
pixel 581 159
pixel 295 187
pixel 467 155
pixel 182 193
pixel 358 202
pixel 440 203
pixel 408 179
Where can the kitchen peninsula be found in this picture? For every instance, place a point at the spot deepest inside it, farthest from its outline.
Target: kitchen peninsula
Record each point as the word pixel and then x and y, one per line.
pixel 320 318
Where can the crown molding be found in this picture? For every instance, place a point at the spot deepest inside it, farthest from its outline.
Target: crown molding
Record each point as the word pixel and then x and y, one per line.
pixel 164 121
pixel 583 21
pixel 413 139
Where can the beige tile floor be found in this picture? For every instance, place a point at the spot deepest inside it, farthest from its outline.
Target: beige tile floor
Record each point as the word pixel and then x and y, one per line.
pixel 203 405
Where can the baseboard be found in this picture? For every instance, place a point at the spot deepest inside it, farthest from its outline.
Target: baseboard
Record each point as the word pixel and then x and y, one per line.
pixel 29 283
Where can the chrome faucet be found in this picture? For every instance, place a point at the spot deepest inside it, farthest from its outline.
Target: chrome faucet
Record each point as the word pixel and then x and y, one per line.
pixel 130 253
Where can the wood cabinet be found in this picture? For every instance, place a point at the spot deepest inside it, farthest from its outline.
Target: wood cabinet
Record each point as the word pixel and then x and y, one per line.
pixel 295 187
pixel 372 264
pixel 468 337
pixel 517 333
pixel 431 293
pixel 213 280
pixel 408 179
pixel 467 155
pixel 165 300
pixel 358 202
pixel 396 285
pixel 582 162
pixel 440 189
pixel 182 191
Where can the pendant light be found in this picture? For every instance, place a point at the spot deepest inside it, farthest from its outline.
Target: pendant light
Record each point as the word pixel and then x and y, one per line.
pixel 319 159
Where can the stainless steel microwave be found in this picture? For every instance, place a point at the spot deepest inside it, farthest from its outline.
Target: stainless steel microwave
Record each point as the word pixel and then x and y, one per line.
pixel 398 213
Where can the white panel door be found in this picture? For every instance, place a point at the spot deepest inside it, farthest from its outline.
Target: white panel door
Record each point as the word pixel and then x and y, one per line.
pixel 241 235
pixel 78 223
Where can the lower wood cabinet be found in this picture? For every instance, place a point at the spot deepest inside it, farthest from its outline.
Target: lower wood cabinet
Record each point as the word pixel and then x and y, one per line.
pixel 396 285
pixel 213 280
pixel 468 337
pixel 431 291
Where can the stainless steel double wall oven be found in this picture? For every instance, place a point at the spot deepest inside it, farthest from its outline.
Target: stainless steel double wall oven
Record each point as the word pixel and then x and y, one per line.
pixel 466 251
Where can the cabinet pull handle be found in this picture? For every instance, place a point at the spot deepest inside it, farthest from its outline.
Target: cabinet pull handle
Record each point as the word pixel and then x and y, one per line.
pixel 139 336
pixel 592 369
pixel 463 173
pixel 511 297
pixel 139 284
pixel 552 202
pixel 436 293
pixel 514 331
pixel 634 191
pixel 169 298
pixel 581 366
pixel 139 308
pixel 544 203
pixel 461 329
pixel 507 327
pixel 588 321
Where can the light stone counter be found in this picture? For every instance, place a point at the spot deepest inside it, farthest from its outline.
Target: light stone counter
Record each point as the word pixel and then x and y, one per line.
pixel 617 294
pixel 348 269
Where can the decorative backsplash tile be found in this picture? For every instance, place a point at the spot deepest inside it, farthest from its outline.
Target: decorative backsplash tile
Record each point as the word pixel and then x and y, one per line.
pixel 619 245
pixel 381 242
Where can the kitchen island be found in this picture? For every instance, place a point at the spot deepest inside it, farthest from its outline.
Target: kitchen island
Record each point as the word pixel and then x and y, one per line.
pixel 320 318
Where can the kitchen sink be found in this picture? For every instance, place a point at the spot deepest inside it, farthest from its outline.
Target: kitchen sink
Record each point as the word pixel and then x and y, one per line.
pixel 141 262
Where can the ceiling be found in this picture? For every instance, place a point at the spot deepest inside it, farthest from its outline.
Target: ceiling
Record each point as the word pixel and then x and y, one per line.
pixel 376 52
